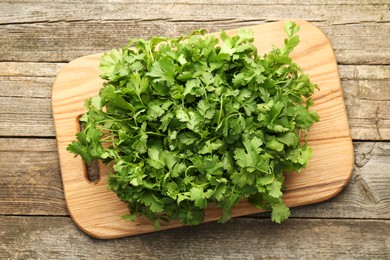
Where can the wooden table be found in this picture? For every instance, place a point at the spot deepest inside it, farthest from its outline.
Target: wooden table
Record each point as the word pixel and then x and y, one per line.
pixel 38 38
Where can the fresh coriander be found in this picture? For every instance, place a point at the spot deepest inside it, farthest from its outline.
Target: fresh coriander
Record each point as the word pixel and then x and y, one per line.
pixel 194 120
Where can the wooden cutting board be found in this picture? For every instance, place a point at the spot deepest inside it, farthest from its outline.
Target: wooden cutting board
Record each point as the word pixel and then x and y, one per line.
pixel 98 211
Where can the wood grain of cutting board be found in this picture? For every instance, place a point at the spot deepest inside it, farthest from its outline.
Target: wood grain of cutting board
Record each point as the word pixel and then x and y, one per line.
pixel 98 211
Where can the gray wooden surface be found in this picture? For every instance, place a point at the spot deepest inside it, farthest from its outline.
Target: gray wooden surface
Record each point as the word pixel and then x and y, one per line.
pixel 37 38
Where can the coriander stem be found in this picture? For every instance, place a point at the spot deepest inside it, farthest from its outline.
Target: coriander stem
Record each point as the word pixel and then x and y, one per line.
pixel 219 125
pixel 220 111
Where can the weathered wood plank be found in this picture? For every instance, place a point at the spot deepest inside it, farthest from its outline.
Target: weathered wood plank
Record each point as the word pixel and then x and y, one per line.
pixel 31 183
pixel 25 116
pixel 364 72
pixel 30 179
pixel 369 120
pixel 352 11
pixel 223 2
pixel 28 87
pixel 27 79
pixel 360 41
pixel 367 96
pixel 29 69
pixel 245 238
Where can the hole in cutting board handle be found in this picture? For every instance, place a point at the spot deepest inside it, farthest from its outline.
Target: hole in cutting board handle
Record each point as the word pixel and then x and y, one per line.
pixel 92 170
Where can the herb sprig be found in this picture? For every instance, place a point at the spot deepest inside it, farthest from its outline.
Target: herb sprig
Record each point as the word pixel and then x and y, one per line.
pixel 194 120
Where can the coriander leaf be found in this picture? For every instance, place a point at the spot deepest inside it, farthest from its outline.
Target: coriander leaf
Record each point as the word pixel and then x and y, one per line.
pixel 138 84
pixel 275 189
pixel 206 109
pixel 244 36
pixel 79 149
pixel 274 144
pixel 155 112
pixel 280 213
pixel 240 178
pixel 191 215
pixel 187 138
pixel 197 195
pixel 291 28
pixel 140 145
pixel 163 70
pixel 108 63
pixel 151 200
pixel 182 115
pixel 96 103
pixel 210 147
pixel 292 41
pixel 289 139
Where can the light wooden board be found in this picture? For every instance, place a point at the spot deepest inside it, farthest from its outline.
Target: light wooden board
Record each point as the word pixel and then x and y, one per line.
pixel 97 211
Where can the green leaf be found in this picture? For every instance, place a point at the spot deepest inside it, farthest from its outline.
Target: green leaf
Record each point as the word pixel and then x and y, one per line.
pixel 191 216
pixel 182 196
pixel 289 139
pixel 169 159
pixel 154 158
pixel 151 200
pixel 241 157
pixel 178 170
pixel 291 42
pixel 194 121
pixel 239 178
pixel 210 147
pixel 111 98
pixel 163 70
pixel 291 28
pixel 155 112
pixel 182 115
pixel 275 189
pixel 96 102
pixel 138 84
pixel 280 213
pixel 304 155
pixel 108 62
pixel 267 179
pixel 244 36
pixel 197 195
pixel 182 60
pixel 206 109
pixel 79 149
pixel 275 145
pixel 305 118
pixel 227 48
pixel 140 145
pixel 187 138
pixel 172 189
pixel 165 120
pixel 249 158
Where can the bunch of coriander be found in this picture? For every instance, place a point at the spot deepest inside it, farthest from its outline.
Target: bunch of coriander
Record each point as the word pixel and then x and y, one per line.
pixel 194 120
